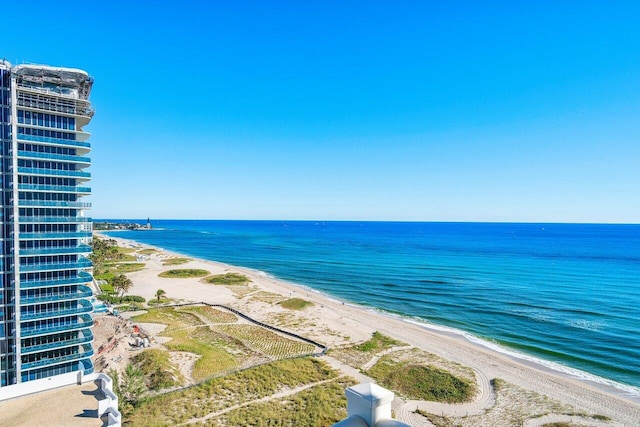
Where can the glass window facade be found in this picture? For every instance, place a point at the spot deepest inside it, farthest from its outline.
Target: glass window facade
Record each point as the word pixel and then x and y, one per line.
pixel 45 309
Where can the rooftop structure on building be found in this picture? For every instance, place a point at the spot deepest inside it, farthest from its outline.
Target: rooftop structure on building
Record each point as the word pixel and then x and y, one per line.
pixel 45 273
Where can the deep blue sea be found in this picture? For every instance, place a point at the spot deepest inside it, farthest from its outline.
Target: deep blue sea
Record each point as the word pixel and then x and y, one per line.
pixel 564 293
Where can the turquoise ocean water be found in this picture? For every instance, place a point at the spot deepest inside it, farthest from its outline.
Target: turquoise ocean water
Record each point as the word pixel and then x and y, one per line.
pixel 562 293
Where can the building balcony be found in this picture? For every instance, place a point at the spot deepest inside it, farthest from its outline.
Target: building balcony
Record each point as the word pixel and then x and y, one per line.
pixel 54 188
pixel 53 172
pixel 84 322
pixel 57 141
pixel 53 203
pixel 82 292
pixel 45 236
pixel 31 99
pixel 80 249
pixel 82 278
pixel 48 361
pixel 86 365
pixel 84 306
pixel 28 268
pixel 52 219
pixel 54 157
pixel 86 337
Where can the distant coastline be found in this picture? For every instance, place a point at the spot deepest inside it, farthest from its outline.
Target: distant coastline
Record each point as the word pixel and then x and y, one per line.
pixel 101 225
pixel 468 273
pixel 589 392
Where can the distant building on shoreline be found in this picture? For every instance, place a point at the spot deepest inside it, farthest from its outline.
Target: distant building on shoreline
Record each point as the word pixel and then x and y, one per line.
pixel 101 225
pixel 45 307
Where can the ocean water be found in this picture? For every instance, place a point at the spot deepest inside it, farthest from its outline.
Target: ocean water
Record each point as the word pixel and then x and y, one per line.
pixel 563 293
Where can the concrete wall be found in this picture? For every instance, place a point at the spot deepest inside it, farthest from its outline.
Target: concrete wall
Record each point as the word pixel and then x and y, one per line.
pixel 35 386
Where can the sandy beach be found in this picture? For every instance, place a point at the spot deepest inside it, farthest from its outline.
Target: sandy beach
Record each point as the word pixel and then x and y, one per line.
pixel 529 388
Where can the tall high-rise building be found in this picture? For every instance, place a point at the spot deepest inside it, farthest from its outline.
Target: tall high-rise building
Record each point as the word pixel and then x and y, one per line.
pixel 45 273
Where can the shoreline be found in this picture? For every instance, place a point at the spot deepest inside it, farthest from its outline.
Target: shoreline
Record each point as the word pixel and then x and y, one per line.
pixel 490 359
pixel 605 384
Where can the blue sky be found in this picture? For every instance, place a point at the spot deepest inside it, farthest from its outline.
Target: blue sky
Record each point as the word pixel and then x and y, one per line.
pixel 432 111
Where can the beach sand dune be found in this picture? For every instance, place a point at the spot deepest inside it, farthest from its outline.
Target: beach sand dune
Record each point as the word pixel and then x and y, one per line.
pixel 527 389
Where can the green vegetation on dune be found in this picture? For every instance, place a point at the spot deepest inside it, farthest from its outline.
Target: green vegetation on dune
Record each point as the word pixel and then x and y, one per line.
pixel 128 267
pixel 267 297
pixel 225 346
pixel 420 382
pixel 209 314
pixel 237 388
pixel 210 346
pixel 295 304
pixel 158 371
pixel 106 288
pixel 233 279
pixel 266 342
pixel 114 299
pixel 125 250
pixel 321 405
pixel 378 342
pixel 124 258
pixel 176 261
pixel 173 317
pixel 149 251
pixel 183 273
pixel 221 343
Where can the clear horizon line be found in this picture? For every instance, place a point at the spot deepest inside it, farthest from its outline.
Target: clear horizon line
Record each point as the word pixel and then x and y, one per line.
pixel 363 220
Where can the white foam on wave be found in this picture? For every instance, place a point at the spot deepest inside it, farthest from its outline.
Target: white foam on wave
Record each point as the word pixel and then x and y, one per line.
pixel 533 314
pixel 591 325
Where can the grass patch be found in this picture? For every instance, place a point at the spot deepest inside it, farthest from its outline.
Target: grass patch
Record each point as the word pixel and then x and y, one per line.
pixel 266 342
pixel 268 297
pixel 107 288
pixel 183 273
pixel 125 250
pixel 210 315
pixel 421 382
pixel 148 251
pixel 219 393
pixel 154 301
pixel 128 267
pixel 377 343
pixel 359 354
pixel 122 258
pixel 295 304
pixel 130 307
pixel 115 299
pixel 172 317
pixel 182 328
pixel 321 405
pixel 104 276
pixel 214 358
pixel 222 344
pixel 176 261
pixel 158 371
pixel 233 279
pixel 242 290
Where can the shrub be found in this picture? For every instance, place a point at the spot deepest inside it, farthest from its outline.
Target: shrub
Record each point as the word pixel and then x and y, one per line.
pixel 113 299
pixel 295 304
pixel 421 382
pixel 183 273
pixel 227 279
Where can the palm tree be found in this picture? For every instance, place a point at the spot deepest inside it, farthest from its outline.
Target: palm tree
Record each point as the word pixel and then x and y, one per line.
pixel 160 293
pixel 121 284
